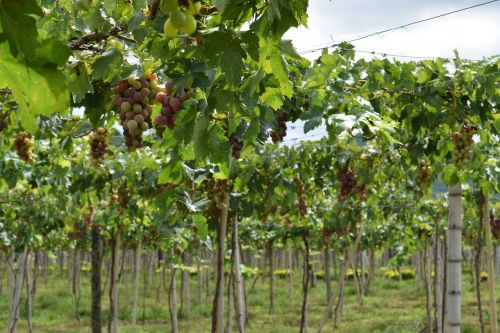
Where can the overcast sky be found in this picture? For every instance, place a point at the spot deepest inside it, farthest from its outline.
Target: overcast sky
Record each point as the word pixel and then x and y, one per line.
pixel 475 33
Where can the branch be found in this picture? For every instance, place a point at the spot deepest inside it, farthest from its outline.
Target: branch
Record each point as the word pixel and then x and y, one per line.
pixel 153 9
pixel 85 42
pixel 205 10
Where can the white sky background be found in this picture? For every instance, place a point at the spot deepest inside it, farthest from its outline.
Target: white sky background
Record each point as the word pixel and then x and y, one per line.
pixel 475 33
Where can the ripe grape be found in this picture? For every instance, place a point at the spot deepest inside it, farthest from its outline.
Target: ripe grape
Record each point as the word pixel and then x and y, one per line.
pixel 424 174
pixel 347 180
pixel 463 145
pixel 302 207
pixel 134 98
pixel 23 144
pixel 98 141
pixel 172 103
pixel 277 136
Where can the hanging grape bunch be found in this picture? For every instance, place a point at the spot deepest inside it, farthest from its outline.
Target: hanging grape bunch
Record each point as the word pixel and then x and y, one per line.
pixel 123 198
pixel 277 136
pixel 181 15
pixel 235 142
pixel 98 141
pixel 300 194
pixel 495 227
pixel 463 145
pixel 424 173
pixel 362 192
pixel 23 144
pixel 347 179
pixel 172 104
pixel 134 98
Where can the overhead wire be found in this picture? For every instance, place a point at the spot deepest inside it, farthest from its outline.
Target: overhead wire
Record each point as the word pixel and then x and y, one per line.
pixel 355 39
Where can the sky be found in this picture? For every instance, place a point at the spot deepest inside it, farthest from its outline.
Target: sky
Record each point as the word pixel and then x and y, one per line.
pixel 474 33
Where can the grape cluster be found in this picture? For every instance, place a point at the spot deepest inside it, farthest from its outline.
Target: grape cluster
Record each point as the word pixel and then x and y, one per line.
pixel 237 146
pixel 424 173
pixel 277 136
pixel 347 179
pixel 98 141
pixel 300 194
pixel 134 98
pixel 114 198
pixel 463 145
pixel 23 144
pixel 123 197
pixel 172 103
pixel 495 227
pixel 180 16
pixel 89 219
pixel 362 192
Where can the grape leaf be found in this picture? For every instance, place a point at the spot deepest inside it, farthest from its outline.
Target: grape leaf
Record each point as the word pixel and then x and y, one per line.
pixel 38 91
pixel 107 65
pixel 19 27
pixel 200 136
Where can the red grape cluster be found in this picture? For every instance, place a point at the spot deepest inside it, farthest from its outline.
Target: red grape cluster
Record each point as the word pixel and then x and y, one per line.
pixel 237 146
pixel 463 145
pixel 277 136
pixel 300 194
pixel 362 192
pixel 347 179
pixel 424 173
pixel 172 103
pixel 134 98
pixel 123 197
pixel 495 227
pixel 98 141
pixel 23 144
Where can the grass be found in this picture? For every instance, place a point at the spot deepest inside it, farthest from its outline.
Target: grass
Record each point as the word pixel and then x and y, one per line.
pixel 390 307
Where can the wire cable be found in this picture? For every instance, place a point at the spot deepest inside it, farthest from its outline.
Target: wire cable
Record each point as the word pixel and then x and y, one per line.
pixel 355 39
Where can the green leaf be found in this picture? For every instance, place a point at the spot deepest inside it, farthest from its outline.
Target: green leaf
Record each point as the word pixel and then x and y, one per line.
pixel 253 130
pixel 201 225
pixel 272 97
pixel 53 51
pixel 38 91
pixel 229 55
pixel 200 136
pixel 18 26
pixel 221 5
pixel 424 75
pixel 107 65
pixel 279 69
pixel 219 146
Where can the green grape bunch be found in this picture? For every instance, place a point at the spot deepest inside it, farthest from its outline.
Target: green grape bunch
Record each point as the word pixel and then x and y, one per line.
pixel 22 145
pixel 463 145
pixel 134 98
pixel 181 16
pixel 424 173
